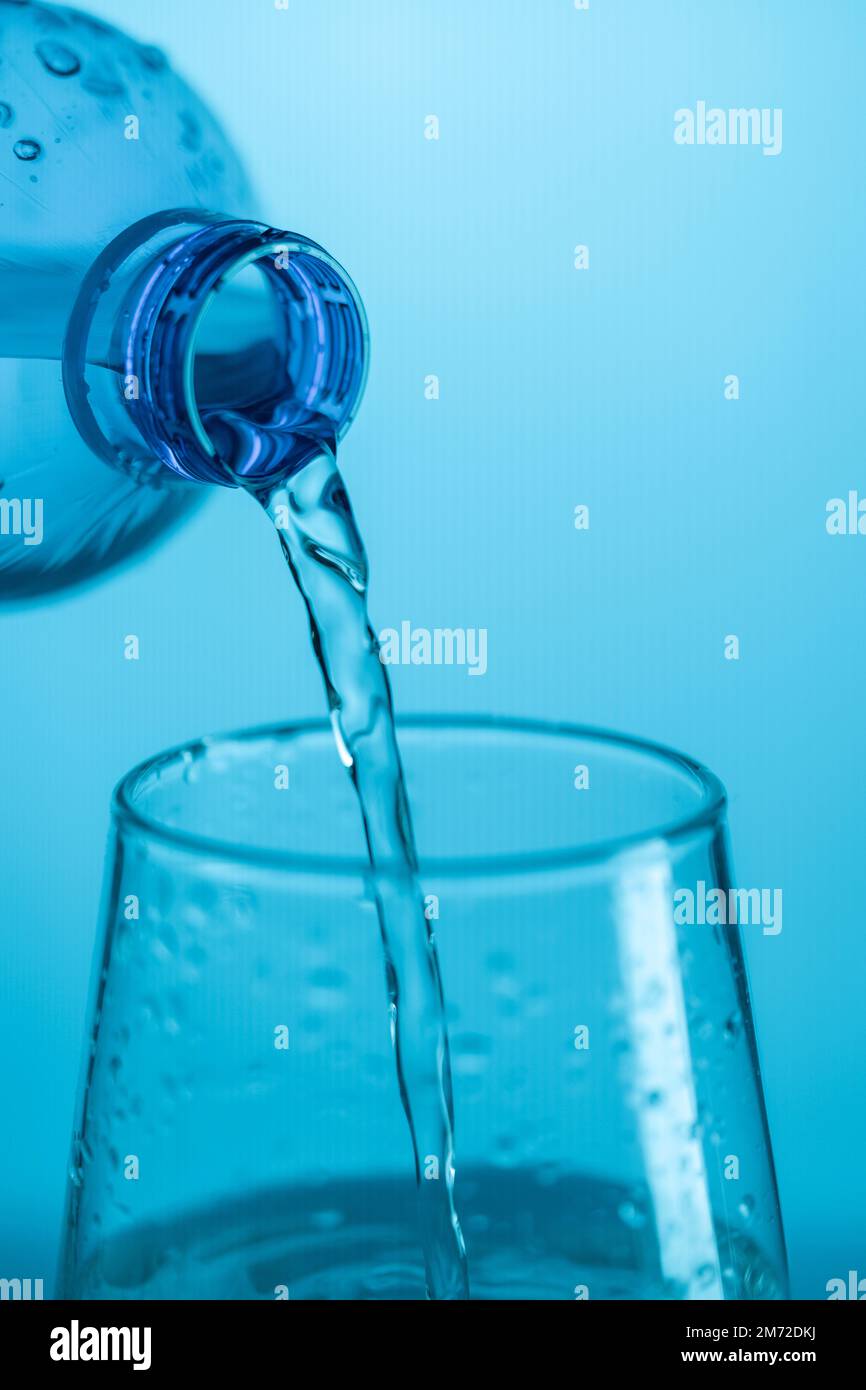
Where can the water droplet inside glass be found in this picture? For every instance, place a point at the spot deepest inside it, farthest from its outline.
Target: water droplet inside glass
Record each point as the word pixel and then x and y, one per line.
pixel 653 993
pixel 733 1027
pixel 328 978
pixel 478 1223
pixel 631 1215
pixel 7 115
pixel 470 1053
pixel 326 1220
pixel 507 1151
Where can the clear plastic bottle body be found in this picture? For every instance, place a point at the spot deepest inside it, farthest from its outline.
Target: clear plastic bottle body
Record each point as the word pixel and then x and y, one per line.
pixel 96 133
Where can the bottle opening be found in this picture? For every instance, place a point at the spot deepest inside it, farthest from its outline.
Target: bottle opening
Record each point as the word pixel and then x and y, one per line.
pixel 230 345
pixel 237 361
pixel 274 362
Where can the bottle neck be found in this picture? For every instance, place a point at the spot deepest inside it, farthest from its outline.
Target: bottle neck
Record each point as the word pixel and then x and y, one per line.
pixel 189 319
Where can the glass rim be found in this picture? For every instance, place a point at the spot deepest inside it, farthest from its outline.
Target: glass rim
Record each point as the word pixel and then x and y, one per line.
pixel 707 810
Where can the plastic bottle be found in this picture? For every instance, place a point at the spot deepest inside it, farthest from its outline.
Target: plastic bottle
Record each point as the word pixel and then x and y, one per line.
pixel 133 294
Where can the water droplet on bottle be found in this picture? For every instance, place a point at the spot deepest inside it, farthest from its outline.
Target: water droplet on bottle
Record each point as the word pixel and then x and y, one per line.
pixel 103 84
pixel 746 1208
pixel 152 58
pixel 59 59
pixel 7 115
pixel 27 150
pixel 190 132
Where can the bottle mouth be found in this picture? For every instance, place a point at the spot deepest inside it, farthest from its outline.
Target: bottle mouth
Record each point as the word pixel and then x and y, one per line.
pixel 214 329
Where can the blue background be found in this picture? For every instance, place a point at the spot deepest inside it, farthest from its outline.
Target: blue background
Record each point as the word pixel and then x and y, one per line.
pixel 558 387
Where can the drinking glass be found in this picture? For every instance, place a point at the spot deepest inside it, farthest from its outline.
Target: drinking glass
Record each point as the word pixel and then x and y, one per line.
pixel 240 1133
